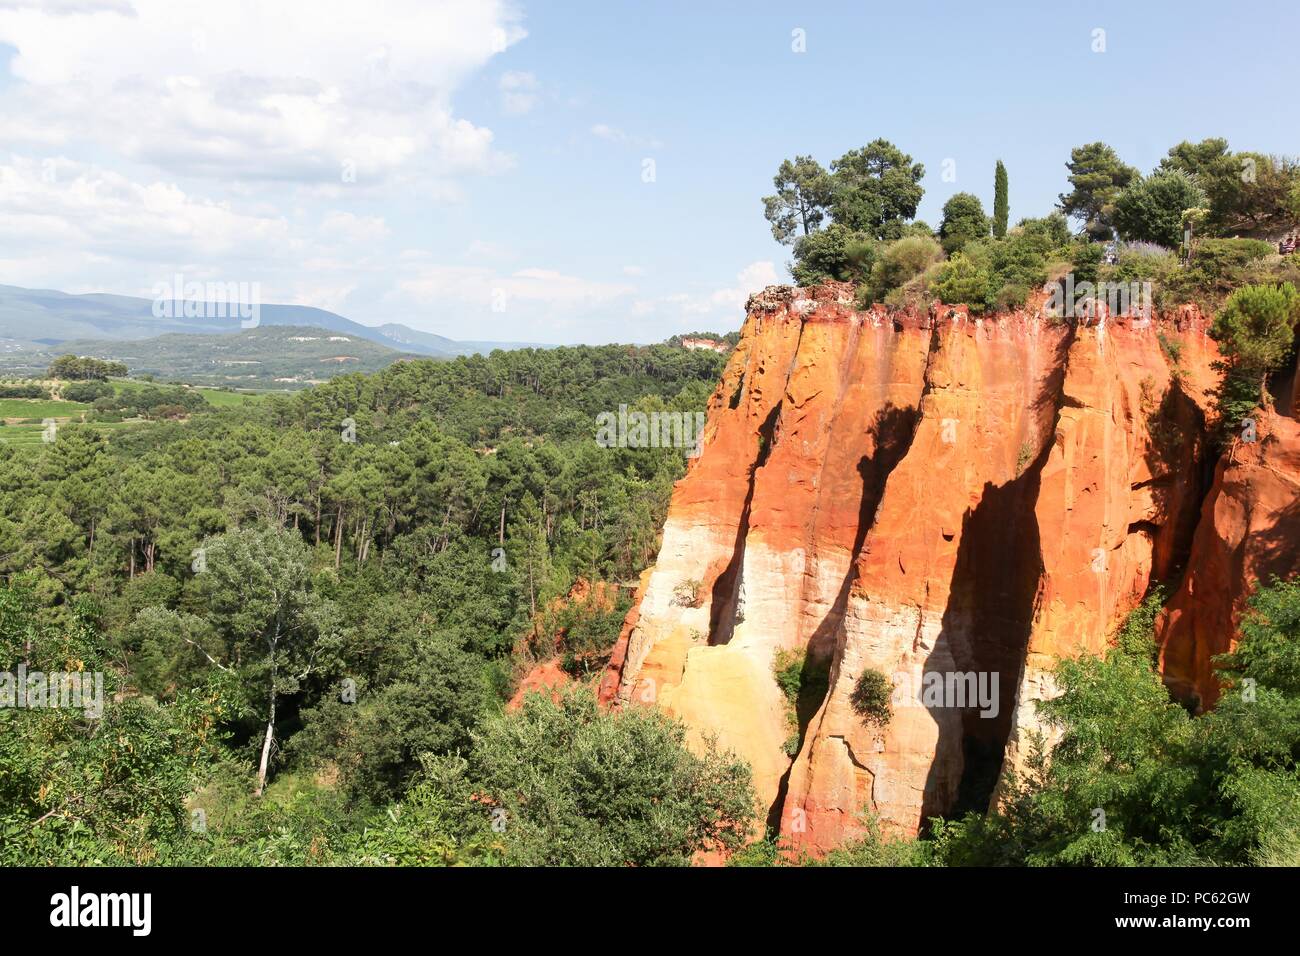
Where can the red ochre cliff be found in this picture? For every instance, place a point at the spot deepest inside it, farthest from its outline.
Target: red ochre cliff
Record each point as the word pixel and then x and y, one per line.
pixel 937 493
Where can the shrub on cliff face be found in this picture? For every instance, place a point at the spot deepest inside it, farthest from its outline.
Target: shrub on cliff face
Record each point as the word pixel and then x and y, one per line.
pixel 963 279
pixel 835 252
pixel 803 679
pixel 870 697
pixel 901 262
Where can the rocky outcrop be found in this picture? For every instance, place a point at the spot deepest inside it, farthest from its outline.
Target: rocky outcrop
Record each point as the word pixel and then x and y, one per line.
pixel 1249 532
pixel 951 501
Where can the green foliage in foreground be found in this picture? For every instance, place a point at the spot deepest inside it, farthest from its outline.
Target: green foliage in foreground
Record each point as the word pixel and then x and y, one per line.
pixel 1136 780
pixel 361 605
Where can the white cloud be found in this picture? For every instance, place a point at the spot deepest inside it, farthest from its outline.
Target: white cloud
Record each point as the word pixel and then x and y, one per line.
pixel 519 91
pixel 731 299
pixel 258 91
pixel 71 206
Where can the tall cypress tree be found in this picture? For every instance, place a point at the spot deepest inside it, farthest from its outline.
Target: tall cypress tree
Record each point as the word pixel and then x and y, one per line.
pixel 1000 200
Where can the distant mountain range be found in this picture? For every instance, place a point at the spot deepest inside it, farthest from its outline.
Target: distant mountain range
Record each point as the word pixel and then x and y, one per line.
pixel 41 319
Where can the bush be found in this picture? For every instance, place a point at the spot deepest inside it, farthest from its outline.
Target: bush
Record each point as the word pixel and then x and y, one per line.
pixel 590 631
pixel 834 253
pixel 568 783
pixel 87 392
pixel 1085 260
pixel 1218 789
pixel 871 697
pixel 23 390
pixel 962 279
pixel 902 261
pixel 1220 265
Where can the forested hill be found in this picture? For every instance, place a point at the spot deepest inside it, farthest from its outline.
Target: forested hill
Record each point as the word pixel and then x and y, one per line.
pixel 271 356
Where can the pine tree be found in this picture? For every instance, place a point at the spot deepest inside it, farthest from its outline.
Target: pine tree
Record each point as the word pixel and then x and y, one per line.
pixel 1000 201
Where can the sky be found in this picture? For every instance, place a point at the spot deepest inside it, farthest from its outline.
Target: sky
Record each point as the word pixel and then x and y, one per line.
pixel 562 172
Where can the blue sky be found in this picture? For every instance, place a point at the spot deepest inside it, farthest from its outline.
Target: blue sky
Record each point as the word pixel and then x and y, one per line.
pixel 499 148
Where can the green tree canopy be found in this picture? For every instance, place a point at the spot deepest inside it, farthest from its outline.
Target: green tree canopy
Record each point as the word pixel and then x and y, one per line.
pixel 803 194
pixel 876 189
pixel 277 631
pixel 1097 176
pixel 963 221
pixel 569 783
pixel 1152 209
pixel 1255 330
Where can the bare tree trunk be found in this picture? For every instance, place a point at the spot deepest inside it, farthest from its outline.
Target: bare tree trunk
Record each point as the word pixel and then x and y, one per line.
pixel 338 537
pixel 266 748
pixel 265 763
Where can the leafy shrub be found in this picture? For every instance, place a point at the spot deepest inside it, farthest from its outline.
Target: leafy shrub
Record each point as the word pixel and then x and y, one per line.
pixel 962 279
pixel 836 253
pixel 871 697
pixel 1085 260
pixel 23 390
pixel 570 783
pixel 687 593
pixel 1216 789
pixel 901 261
pixel 590 631
pixel 87 391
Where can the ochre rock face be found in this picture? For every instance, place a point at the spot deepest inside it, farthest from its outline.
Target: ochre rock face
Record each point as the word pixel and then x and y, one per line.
pixel 952 501
pixel 1249 532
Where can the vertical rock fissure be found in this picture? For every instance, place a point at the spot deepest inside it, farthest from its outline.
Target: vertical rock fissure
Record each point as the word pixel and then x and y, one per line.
pixel 987 622
pixel 725 593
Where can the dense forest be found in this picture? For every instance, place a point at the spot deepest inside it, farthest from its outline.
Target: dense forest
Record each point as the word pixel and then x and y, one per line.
pixel 309 611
